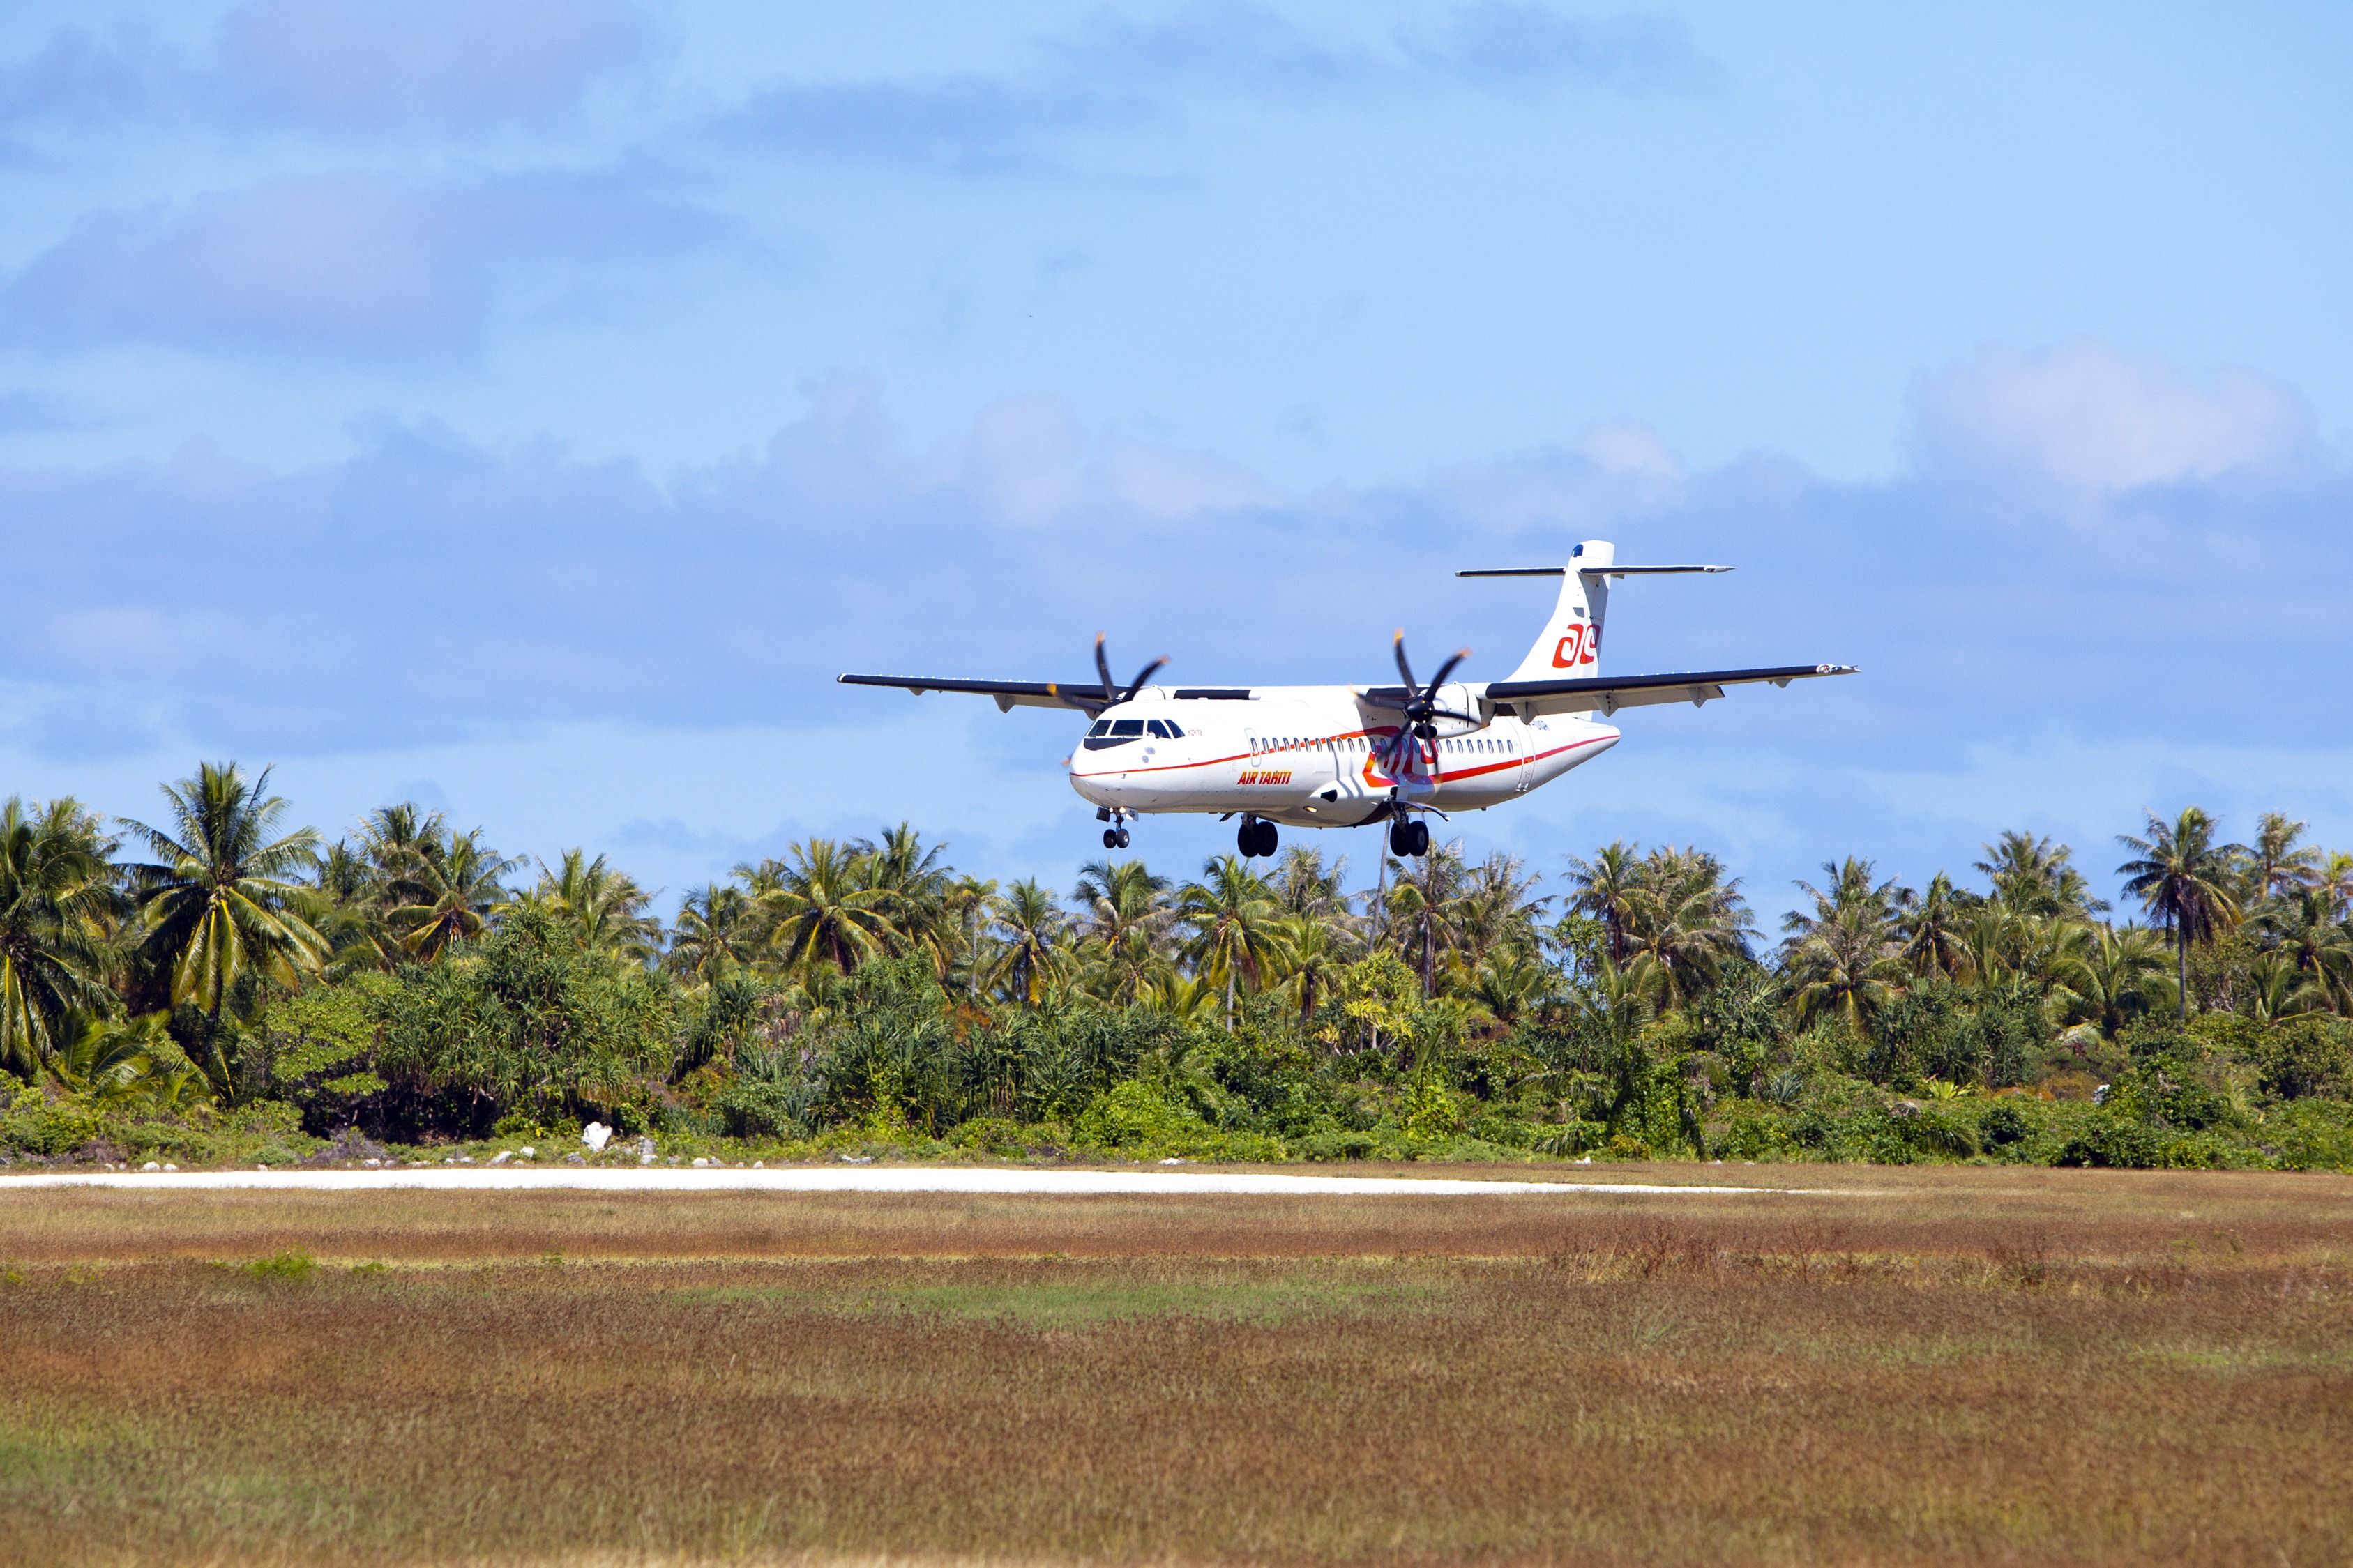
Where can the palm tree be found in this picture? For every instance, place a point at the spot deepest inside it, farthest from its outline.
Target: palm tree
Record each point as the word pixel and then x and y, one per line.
pixel 602 908
pixel 1029 921
pixel 2333 880
pixel 453 886
pixel 59 902
pixel 2281 990
pixel 1123 921
pixel 819 907
pixel 1845 964
pixel 714 936
pixel 1304 885
pixel 1314 950
pixel 1511 982
pixel 1604 888
pixel 915 890
pixel 2183 877
pixel 1236 925
pixel 2315 946
pixel 965 907
pixel 396 841
pixel 2032 876
pixel 217 902
pixel 1499 911
pixel 1120 899
pixel 1932 929
pixel 1687 918
pixel 347 906
pixel 1424 903
pixel 2118 978
pixel 2276 868
pixel 116 1058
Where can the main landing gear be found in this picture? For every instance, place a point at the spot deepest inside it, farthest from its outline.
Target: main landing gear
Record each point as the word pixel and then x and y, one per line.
pixel 1409 836
pixel 1256 837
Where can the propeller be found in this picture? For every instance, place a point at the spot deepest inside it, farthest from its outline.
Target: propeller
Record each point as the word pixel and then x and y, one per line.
pixel 1420 706
pixel 1115 694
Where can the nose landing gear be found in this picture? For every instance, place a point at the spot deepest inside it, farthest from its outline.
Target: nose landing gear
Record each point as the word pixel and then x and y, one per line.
pixel 1255 838
pixel 1115 836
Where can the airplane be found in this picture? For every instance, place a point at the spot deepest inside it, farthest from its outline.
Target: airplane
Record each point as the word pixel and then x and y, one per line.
pixel 1344 756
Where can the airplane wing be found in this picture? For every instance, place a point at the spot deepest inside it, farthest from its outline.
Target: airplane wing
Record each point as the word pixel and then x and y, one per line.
pixel 1609 693
pixel 1086 696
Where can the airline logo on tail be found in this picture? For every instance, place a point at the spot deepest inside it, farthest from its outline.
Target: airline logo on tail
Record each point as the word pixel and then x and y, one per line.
pixel 1581 646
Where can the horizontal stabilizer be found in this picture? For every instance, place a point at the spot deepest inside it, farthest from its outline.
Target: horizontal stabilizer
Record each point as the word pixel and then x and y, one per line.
pixel 1596 572
pixel 1607 694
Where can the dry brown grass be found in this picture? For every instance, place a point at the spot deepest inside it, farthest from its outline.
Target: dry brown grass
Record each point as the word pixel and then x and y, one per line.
pixel 2027 1366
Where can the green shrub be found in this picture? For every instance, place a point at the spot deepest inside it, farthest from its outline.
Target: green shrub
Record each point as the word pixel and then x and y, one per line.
pixel 38 1123
pixel 2116 1141
pixel 2003 1124
pixel 2305 1057
pixel 292 1267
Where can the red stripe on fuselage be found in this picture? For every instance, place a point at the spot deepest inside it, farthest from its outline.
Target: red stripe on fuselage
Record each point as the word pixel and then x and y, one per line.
pixel 1351 735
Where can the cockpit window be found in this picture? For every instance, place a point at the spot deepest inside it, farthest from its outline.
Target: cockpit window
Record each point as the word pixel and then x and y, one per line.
pixel 1102 727
pixel 1157 727
pixel 1125 728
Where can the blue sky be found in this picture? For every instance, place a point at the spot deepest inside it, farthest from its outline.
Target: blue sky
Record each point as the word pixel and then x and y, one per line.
pixel 528 406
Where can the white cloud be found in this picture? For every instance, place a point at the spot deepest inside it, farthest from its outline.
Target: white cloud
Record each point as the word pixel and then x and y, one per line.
pixel 2089 420
pixel 339 265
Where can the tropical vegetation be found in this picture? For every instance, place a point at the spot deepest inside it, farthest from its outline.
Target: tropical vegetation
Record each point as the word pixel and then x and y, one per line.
pixel 228 983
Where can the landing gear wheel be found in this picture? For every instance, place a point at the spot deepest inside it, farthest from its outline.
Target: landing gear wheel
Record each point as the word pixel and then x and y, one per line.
pixel 1266 838
pixel 1111 837
pixel 1400 837
pixel 1255 838
pixel 1416 838
pixel 1122 839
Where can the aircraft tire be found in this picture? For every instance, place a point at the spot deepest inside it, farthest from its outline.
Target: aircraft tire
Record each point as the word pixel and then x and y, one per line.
pixel 1122 839
pixel 1111 837
pixel 1419 832
pixel 1400 837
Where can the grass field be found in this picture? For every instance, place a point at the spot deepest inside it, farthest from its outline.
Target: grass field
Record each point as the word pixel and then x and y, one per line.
pixel 1934 1366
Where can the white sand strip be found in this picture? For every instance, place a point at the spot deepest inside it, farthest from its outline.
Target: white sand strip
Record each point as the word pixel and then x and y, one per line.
pixel 838 1179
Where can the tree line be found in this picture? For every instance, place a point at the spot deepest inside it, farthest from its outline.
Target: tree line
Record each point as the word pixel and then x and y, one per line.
pixel 409 980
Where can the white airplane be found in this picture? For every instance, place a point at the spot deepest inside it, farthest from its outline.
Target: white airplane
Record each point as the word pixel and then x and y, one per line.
pixel 1342 756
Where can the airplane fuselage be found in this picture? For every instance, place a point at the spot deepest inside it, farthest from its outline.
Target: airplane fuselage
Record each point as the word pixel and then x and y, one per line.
pixel 1311 756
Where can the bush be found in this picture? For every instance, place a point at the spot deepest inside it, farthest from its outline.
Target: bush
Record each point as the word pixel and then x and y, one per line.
pixel 2004 1125
pixel 38 1123
pixel 290 1267
pixel 2118 1142
pixel 2305 1058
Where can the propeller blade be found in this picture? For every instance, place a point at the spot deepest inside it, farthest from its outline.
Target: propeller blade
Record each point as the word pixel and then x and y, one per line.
pixel 1142 676
pixel 1103 668
pixel 1397 646
pixel 1397 756
pixel 1443 671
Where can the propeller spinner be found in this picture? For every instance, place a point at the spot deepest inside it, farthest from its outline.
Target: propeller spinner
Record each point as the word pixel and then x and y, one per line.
pixel 1420 706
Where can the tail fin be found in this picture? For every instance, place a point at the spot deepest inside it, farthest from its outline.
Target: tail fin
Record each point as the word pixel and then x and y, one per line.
pixel 1570 647
pixel 1571 643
